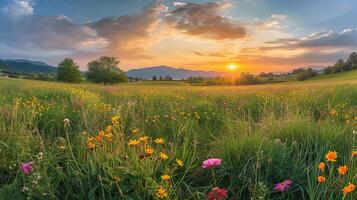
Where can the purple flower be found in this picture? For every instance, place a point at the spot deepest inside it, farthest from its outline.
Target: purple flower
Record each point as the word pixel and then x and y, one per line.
pixel 212 162
pixel 26 168
pixel 283 186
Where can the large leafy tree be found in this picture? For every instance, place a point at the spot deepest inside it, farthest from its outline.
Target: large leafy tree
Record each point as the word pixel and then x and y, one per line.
pixel 105 70
pixel 68 71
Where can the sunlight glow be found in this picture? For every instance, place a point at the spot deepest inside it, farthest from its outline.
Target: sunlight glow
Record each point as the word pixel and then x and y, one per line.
pixel 232 67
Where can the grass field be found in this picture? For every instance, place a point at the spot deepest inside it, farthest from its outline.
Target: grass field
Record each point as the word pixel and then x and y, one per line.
pixel 89 141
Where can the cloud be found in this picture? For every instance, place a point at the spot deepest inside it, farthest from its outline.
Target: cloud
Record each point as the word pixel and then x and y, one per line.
pixel 204 20
pixel 19 7
pixel 124 36
pixel 275 21
pixel 323 39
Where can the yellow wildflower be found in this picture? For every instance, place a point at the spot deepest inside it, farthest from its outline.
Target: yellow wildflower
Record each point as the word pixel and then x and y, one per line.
pixel 133 142
pixel 115 119
pixel 161 192
pixel 143 139
pixel 134 131
pixel 159 141
pixel 108 128
pixel 165 177
pixel 163 156
pixel 90 145
pixel 179 162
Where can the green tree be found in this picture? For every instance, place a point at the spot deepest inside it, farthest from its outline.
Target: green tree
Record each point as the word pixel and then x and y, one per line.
pixel 105 70
pixel 68 71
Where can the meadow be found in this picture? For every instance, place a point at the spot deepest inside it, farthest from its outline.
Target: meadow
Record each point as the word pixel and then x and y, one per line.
pixel 151 140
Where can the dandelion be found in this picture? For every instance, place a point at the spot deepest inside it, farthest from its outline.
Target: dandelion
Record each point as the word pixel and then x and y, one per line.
pixel 210 163
pixel 143 139
pixel 321 179
pixel 283 186
pixel 349 188
pixel 342 170
pixel 165 177
pixel 217 194
pixel 322 166
pixel 163 156
pixel 331 156
pixel 161 192
pixel 115 119
pixel 179 162
pixel 159 141
pixel 26 168
pixel 149 151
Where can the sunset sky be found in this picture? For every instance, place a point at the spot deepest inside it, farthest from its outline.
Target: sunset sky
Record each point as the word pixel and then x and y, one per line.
pixel 256 35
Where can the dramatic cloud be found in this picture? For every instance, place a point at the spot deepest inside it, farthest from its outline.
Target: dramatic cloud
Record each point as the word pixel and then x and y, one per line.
pixel 204 20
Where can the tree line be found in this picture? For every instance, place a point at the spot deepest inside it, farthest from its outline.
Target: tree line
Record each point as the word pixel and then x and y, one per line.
pixel 103 70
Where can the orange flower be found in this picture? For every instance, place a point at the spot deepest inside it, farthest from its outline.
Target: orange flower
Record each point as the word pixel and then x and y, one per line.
pixel 165 177
pixel 149 151
pixel 349 188
pixel 108 128
pixel 342 170
pixel 100 135
pixel 331 156
pixel 321 179
pixel 90 145
pixel 322 166
pixel 109 136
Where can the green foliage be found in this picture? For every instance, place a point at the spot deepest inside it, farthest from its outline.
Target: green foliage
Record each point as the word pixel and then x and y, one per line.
pixel 105 70
pixel 68 71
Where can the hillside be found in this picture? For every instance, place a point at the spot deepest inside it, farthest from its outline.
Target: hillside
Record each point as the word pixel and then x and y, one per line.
pixel 26 66
pixel 175 73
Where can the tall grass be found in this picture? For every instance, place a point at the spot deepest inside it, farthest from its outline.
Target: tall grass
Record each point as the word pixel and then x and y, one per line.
pixel 263 134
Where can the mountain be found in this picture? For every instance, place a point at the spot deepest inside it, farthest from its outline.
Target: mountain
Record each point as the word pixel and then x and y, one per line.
pixel 175 73
pixel 26 66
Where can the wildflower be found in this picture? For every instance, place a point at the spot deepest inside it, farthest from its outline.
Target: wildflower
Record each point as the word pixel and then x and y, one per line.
pixel 165 177
pixel 134 131
pixel 283 186
pixel 109 136
pixel 354 154
pixel 217 194
pixel 108 128
pixel 322 166
pixel 321 179
pixel 331 156
pixel 100 135
pixel 133 142
pixel 163 156
pixel 342 170
pixel 210 163
pixel 115 119
pixel 66 121
pixel 179 162
pixel 90 145
pixel 143 139
pixel 159 141
pixel 161 192
pixel 26 168
pixel 349 188
pixel 62 147
pixel 149 151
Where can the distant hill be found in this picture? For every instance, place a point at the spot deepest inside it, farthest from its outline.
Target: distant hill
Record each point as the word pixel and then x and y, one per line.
pixel 175 73
pixel 26 66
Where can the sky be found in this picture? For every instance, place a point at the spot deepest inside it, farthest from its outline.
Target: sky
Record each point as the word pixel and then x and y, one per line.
pixel 255 35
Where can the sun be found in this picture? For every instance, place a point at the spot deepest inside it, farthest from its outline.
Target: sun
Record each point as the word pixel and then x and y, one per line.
pixel 232 67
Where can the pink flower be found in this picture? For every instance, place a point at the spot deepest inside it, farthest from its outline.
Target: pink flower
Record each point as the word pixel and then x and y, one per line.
pixel 26 168
pixel 212 162
pixel 217 194
pixel 283 186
